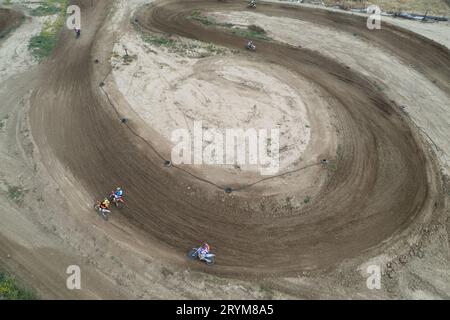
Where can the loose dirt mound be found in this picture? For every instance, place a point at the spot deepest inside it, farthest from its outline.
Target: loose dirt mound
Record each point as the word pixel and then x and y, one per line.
pixel 9 19
pixel 385 181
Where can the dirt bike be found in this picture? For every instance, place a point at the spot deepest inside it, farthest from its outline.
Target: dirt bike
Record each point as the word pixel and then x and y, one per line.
pixel 250 46
pixel 209 258
pixel 118 202
pixel 103 212
pixel 251 5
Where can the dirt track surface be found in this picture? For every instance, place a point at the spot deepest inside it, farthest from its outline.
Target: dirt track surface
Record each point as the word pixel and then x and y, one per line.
pixel 385 181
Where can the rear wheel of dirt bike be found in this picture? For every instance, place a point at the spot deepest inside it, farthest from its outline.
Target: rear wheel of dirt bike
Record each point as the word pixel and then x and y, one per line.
pixel 120 205
pixel 104 215
pixel 192 254
pixel 211 262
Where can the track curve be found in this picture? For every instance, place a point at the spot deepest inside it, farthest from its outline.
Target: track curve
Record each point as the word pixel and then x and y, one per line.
pixel 386 180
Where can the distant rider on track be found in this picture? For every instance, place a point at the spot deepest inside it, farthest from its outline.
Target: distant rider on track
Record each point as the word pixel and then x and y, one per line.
pixel 77 32
pixel 250 45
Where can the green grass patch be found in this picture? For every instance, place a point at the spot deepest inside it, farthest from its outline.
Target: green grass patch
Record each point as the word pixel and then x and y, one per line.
pixel 195 50
pixel 196 15
pixel 252 32
pixel 3 123
pixel 333 167
pixel 10 290
pixel 333 164
pixel 182 48
pixel 47 9
pixel 41 46
pixel 266 290
pixel 151 39
pixel 15 193
pixel 159 41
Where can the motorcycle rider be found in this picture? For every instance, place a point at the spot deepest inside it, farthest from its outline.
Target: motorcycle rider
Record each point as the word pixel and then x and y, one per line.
pixel 118 194
pixel 250 44
pixel 77 32
pixel 252 4
pixel 204 250
pixel 104 206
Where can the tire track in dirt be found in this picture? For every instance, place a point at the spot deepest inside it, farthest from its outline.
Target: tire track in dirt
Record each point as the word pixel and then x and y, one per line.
pixel 386 182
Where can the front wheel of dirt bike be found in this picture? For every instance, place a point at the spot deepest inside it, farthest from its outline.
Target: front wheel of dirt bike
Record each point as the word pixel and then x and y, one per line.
pixel 120 205
pixel 211 262
pixel 97 207
pixel 192 254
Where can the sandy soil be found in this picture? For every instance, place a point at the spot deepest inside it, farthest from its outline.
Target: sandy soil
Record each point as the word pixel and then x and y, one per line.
pixel 227 91
pixel 435 31
pixel 430 7
pixel 126 258
pixel 16 57
pixel 222 92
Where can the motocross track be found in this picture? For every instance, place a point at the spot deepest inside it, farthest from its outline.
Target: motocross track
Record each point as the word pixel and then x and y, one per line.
pixel 386 180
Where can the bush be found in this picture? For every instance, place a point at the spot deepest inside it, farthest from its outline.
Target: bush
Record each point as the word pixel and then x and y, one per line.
pixel 42 45
pixel 45 10
pixel 256 29
pixel 9 290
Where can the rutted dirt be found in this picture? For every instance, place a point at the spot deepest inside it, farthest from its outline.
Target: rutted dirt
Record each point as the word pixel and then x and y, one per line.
pixel 385 183
pixel 418 95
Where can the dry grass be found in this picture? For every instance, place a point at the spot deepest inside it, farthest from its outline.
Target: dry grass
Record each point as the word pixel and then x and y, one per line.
pixel 434 7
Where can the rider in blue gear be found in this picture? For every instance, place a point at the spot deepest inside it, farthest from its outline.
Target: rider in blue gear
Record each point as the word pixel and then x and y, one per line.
pixel 119 193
